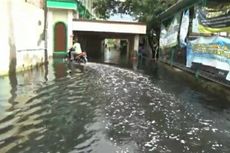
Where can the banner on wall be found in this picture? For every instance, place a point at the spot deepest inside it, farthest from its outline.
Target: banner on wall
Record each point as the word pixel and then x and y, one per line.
pixel 214 17
pixel 184 28
pixel 168 37
pixel 195 23
pixel 163 39
pixel 211 51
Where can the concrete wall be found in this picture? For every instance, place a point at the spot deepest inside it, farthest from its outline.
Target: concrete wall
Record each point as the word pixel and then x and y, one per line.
pixel 21 39
pixel 55 16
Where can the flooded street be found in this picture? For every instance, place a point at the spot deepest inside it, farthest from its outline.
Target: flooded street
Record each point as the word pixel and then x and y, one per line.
pixel 101 108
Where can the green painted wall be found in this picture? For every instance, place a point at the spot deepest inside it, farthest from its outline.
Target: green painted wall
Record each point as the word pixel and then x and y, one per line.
pixel 67 4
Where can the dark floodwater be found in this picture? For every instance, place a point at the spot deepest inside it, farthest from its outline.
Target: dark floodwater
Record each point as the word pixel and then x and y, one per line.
pixel 101 108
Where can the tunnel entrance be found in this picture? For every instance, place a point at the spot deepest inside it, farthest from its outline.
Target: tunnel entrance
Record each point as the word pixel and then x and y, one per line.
pixel 114 50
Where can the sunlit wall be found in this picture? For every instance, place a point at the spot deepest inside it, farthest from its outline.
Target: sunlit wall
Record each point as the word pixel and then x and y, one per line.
pixel 21 39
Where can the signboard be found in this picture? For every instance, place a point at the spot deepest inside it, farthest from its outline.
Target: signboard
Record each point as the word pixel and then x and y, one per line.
pixel 214 17
pixel 211 51
pixel 168 37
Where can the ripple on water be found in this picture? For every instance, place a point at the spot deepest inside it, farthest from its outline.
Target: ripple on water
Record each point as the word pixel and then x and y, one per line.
pixel 139 107
pixel 106 109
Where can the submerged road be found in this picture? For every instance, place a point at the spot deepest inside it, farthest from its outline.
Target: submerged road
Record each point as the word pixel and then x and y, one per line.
pixel 103 108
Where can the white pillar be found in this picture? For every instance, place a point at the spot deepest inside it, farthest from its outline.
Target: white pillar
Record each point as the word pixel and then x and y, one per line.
pixel 70 29
pixel 133 46
pixel 50 39
pixel 136 43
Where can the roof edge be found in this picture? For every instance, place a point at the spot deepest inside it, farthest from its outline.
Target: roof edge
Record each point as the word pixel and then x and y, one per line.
pixel 176 8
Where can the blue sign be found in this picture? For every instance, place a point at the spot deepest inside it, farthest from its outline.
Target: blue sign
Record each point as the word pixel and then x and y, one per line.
pixel 210 51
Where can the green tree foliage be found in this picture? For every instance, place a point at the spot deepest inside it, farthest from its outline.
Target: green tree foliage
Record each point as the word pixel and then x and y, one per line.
pixel 143 10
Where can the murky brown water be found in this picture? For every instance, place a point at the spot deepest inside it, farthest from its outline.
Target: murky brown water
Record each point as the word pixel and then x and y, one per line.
pixel 102 108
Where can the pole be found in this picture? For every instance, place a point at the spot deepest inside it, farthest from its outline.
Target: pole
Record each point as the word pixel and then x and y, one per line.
pixel 45 31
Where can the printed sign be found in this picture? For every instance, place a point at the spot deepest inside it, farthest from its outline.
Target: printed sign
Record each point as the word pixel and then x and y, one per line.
pixel 163 39
pixel 214 17
pixel 211 51
pixel 184 28
pixel 168 37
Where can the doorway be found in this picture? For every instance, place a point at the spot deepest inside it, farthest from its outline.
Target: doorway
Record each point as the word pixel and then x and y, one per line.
pixel 60 37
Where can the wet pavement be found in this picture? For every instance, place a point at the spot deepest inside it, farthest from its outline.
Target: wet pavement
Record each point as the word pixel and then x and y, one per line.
pixel 104 108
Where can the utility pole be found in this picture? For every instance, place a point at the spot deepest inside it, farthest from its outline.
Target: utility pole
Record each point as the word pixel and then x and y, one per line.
pixel 45 39
pixel 45 31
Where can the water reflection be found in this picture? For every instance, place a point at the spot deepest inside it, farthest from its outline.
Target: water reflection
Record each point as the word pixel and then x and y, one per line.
pixel 13 84
pixel 46 69
pixel 112 56
pixel 67 107
pixel 47 118
pixel 59 68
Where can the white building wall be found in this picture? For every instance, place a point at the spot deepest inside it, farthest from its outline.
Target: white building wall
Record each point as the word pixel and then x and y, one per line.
pixel 70 29
pixel 50 33
pixel 21 28
pixel 55 16
pixel 60 15
pixel 4 38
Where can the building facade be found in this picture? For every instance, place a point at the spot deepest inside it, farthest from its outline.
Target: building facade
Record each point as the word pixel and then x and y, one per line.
pixel 60 17
pixel 59 25
pixel 22 35
pixel 34 30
